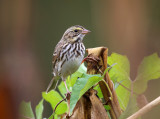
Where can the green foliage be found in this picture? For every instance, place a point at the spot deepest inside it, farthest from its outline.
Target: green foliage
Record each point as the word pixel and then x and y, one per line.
pixel 120 73
pixel 99 92
pixel 109 115
pixel 81 86
pixel 51 117
pixel 26 110
pixel 71 80
pixel 54 116
pixel 53 98
pixel 80 82
pixel 107 107
pixel 131 108
pixel 39 110
pixel 149 69
pixel 62 89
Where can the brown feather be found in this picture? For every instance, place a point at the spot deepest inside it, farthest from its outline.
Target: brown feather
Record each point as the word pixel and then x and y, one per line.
pixel 56 53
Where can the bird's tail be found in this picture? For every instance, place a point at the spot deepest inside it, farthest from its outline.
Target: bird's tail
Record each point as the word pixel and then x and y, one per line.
pixel 53 83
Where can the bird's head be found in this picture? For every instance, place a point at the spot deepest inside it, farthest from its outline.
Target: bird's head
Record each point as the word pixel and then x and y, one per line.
pixel 75 33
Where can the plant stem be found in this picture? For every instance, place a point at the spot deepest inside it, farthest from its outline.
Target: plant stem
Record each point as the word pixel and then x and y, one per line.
pixel 58 104
pixel 145 109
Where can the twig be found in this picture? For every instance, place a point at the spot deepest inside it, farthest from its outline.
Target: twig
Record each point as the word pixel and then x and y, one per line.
pixel 126 88
pixel 145 109
pixel 58 104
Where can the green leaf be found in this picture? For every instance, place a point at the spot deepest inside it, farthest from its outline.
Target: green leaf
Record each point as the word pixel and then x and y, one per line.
pixel 51 117
pixel 39 110
pixel 117 84
pixel 53 98
pixel 26 110
pixel 82 69
pixel 105 71
pixel 54 116
pixel 94 79
pixel 107 107
pixel 122 67
pixel 99 92
pixel 81 86
pixel 70 82
pixel 120 73
pixel 109 115
pixel 131 108
pixel 149 69
pixel 62 88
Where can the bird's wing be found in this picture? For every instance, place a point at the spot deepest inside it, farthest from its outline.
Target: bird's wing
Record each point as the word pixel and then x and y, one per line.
pixel 56 54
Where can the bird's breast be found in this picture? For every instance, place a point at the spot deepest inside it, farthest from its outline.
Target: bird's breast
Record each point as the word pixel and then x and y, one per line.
pixel 71 66
pixel 70 57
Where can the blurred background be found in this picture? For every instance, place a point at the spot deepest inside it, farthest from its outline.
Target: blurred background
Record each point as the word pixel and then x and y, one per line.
pixel 30 29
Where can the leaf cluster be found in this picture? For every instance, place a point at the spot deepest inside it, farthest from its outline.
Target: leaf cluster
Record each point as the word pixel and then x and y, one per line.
pixel 80 82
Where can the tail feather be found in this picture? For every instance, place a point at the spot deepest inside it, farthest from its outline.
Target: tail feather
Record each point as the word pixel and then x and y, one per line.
pixel 53 83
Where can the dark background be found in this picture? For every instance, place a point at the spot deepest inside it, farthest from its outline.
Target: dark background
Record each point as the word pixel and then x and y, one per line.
pixel 30 29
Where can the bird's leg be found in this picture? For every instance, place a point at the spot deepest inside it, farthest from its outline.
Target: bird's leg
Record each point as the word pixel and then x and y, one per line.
pixel 66 86
pixel 68 95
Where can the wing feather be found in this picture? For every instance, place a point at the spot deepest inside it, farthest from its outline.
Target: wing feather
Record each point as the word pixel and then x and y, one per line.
pixel 56 54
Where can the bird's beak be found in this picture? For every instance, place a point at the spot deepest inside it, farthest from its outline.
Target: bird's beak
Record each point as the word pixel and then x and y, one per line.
pixel 85 31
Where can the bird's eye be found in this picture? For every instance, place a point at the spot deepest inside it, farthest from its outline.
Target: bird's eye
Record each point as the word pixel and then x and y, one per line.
pixel 75 30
